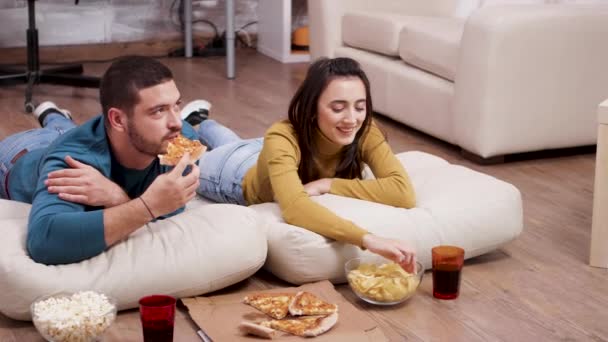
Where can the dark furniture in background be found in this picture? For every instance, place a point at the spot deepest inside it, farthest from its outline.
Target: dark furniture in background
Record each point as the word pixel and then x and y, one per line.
pixel 70 75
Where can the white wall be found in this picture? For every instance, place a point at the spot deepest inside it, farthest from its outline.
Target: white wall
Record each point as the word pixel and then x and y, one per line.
pixel 466 7
pixel 60 22
pixel 492 2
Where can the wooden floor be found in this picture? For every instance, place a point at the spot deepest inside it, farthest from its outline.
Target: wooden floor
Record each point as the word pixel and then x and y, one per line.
pixel 537 288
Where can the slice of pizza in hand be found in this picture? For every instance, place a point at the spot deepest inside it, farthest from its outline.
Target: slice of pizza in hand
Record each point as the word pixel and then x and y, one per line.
pixel 257 330
pixel 306 303
pixel 307 326
pixel 275 305
pixel 178 147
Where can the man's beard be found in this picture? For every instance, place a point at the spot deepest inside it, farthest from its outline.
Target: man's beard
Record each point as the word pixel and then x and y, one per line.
pixel 143 145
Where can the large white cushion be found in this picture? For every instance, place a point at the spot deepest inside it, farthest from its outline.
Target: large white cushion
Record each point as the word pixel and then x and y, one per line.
pixel 455 206
pixel 204 249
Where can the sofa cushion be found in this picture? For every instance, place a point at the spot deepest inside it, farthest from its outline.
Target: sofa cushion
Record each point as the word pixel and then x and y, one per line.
pixel 377 32
pixel 395 86
pixel 432 44
pixel 456 206
pixel 204 249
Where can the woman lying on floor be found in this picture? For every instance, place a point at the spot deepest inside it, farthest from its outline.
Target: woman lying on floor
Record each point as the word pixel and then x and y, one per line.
pixel 321 148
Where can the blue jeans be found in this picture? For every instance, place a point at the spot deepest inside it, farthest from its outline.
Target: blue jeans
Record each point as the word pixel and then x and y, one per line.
pixel 225 163
pixel 15 146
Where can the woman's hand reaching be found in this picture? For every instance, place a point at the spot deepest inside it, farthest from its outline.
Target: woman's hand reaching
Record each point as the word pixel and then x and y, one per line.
pixel 396 250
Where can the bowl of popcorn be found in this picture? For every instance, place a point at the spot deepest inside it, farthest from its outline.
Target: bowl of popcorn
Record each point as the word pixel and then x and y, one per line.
pixel 380 281
pixel 80 316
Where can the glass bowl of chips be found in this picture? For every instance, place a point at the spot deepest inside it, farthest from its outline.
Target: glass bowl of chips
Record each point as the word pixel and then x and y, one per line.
pixel 380 281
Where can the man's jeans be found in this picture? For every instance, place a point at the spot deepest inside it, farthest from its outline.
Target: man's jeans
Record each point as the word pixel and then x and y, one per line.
pixel 225 164
pixel 15 146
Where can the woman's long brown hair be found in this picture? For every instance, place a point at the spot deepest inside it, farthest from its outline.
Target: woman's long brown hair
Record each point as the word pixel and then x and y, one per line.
pixel 303 117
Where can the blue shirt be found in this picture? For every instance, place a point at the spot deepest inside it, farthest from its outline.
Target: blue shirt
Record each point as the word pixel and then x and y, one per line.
pixel 62 232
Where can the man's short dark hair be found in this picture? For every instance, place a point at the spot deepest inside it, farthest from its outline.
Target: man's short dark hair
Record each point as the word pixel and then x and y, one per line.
pixel 121 83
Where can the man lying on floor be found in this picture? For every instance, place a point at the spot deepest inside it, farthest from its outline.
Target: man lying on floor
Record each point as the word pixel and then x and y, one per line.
pixel 91 186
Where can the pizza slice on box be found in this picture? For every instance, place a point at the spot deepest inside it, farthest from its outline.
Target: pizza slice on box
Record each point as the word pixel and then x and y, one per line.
pixel 275 305
pixel 306 303
pixel 306 326
pixel 178 147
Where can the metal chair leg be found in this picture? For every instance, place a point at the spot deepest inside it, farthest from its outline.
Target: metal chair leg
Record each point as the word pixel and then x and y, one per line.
pixel 29 105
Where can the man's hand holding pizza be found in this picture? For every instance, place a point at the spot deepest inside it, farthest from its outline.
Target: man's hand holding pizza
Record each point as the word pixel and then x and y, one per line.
pixel 172 190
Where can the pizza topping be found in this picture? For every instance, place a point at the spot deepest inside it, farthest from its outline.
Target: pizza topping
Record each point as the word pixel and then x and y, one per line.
pixel 178 147
pixel 306 303
pixel 309 326
pixel 296 326
pixel 275 305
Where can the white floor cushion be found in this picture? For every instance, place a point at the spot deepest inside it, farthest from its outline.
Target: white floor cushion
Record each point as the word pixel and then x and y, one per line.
pixel 456 206
pixel 206 248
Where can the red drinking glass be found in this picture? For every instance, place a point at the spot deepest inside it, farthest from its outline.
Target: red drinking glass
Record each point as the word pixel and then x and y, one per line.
pixel 157 314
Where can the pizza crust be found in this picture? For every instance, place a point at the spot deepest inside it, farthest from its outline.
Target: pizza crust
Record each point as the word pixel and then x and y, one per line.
pixel 257 330
pixel 307 326
pixel 324 326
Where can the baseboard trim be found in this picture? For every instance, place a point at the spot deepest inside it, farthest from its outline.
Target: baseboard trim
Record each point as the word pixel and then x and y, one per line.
pixel 97 52
pixel 552 153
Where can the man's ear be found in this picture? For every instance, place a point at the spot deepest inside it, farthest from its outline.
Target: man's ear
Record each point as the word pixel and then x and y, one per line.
pixel 117 120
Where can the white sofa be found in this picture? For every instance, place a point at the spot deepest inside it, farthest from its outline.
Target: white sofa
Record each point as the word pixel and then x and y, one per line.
pixel 504 80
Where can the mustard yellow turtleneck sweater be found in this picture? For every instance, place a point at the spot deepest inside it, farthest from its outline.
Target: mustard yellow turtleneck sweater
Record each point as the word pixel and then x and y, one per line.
pixel 275 178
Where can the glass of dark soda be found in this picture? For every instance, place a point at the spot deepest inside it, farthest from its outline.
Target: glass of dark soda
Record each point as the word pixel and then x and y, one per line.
pixel 447 268
pixel 157 314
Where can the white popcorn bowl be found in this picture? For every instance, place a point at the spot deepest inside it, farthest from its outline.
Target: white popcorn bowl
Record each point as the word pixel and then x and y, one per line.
pixel 68 328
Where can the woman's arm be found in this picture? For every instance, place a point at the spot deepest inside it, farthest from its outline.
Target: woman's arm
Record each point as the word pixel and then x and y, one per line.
pixel 282 157
pixel 391 186
pixel 281 154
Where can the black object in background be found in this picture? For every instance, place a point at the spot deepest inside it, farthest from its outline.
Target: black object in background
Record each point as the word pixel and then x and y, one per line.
pixel 70 75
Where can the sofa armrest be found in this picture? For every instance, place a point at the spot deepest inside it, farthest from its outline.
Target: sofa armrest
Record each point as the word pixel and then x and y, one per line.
pixel 530 77
pixel 325 17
